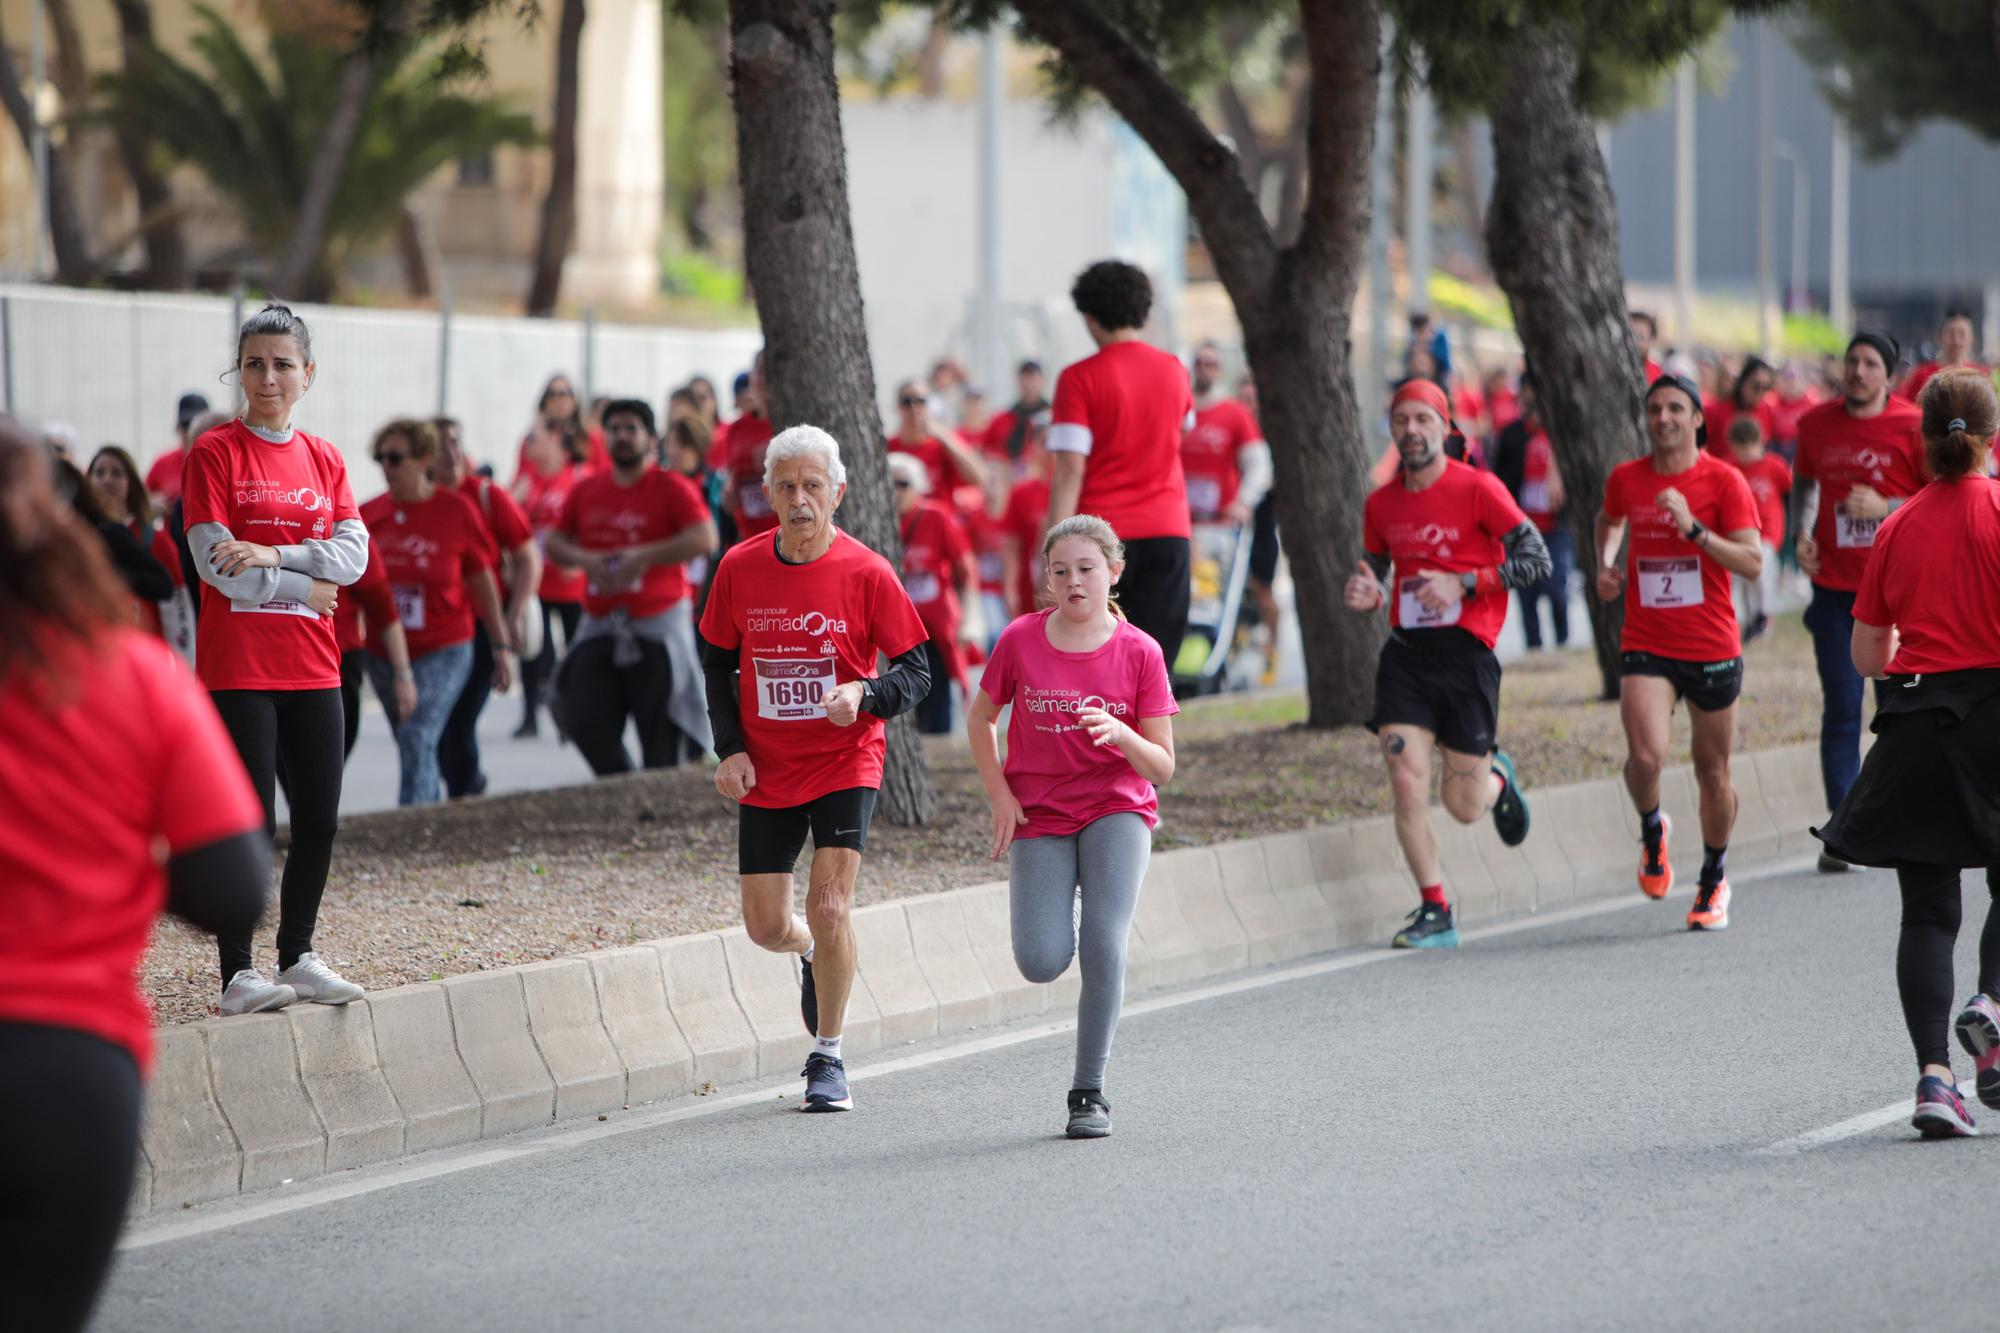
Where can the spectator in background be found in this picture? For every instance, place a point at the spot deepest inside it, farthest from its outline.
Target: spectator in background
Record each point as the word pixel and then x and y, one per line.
pixel 986 526
pixel 144 576
pixel 946 385
pixel 1645 332
pixel 114 477
pixel 684 449
pixel 975 418
pixel 1793 400
pixel 1525 462
pixel 1264 549
pixel 749 436
pixel 368 611
pixel 1770 479
pixel 163 479
pixel 682 403
pixel 1749 395
pixel 702 389
pixel 556 413
pixel 1954 349
pixel 1430 338
pixel 949 463
pixel 1116 439
pixel 1503 401
pixel 548 474
pixel 1223 454
pixel 1007 434
pixel 940 577
pixel 1027 510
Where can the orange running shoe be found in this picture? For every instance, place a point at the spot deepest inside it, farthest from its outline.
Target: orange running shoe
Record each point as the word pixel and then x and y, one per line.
pixel 1656 873
pixel 1711 908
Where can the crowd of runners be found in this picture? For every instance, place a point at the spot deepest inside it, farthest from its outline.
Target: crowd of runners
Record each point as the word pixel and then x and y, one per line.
pixel 688 577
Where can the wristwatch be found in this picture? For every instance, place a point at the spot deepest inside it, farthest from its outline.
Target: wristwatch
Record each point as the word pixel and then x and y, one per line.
pixel 1469 581
pixel 867 696
pixel 1693 532
pixel 406 677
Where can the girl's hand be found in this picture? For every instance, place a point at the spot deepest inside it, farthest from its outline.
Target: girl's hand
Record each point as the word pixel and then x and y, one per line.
pixel 1104 729
pixel 1007 816
pixel 232 558
pixel 404 692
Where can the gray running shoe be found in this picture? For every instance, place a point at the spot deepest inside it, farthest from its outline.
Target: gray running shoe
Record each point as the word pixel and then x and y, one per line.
pixel 1089 1114
pixel 251 992
pixel 315 981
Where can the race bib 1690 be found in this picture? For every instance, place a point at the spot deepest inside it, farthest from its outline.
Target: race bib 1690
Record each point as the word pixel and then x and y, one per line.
pixel 793 689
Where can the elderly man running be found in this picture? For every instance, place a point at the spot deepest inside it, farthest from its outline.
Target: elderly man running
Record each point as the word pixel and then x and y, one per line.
pixel 1457 542
pixel 794 622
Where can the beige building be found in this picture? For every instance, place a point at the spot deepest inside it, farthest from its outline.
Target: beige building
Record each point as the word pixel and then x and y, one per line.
pixel 481 216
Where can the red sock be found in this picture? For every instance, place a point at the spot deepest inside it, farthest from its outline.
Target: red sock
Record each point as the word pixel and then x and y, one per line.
pixel 1434 895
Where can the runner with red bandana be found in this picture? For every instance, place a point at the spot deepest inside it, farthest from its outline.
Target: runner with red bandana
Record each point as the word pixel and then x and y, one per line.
pixel 1454 542
pixel 1693 523
pixel 794 624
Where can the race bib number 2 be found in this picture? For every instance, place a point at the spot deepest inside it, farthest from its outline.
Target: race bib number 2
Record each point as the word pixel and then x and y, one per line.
pixel 793 689
pixel 1671 582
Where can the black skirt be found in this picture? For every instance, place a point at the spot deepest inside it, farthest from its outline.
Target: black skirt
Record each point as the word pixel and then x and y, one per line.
pixel 1929 790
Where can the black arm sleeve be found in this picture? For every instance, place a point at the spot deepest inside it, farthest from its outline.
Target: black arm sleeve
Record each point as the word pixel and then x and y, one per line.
pixel 1527 561
pixel 146 577
pixel 725 719
pixel 1379 563
pixel 220 887
pixel 903 686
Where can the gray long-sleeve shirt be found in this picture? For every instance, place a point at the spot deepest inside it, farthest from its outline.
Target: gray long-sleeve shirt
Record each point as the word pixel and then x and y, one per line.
pixel 339 559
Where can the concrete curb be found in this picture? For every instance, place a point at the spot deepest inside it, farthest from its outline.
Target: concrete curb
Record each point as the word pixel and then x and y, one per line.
pixel 242 1104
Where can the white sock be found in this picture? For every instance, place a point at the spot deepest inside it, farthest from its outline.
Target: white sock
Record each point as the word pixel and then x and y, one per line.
pixel 807 956
pixel 827 1046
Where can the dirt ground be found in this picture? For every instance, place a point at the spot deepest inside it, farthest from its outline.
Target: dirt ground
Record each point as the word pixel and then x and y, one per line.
pixel 432 892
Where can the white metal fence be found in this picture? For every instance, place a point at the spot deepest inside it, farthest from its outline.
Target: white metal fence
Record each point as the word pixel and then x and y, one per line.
pixel 113 365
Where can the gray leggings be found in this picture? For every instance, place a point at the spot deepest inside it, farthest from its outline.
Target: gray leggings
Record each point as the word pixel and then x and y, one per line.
pixel 1107 860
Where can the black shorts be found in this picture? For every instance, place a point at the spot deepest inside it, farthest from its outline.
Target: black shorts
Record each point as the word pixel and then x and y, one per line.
pixel 1443 680
pixel 1264 542
pixel 1709 686
pixel 768 841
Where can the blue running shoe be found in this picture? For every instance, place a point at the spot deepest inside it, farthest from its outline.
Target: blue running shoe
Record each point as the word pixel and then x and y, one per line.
pixel 1430 927
pixel 1510 811
pixel 826 1084
pixel 808 997
pixel 1941 1112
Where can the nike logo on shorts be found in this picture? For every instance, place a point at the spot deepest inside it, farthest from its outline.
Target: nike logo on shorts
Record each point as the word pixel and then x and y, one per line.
pixel 843 832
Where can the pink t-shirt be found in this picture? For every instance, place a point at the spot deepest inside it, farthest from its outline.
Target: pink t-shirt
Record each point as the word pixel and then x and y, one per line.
pixel 1062 781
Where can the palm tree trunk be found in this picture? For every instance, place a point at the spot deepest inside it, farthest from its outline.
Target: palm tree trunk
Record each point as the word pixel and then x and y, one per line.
pixel 74 266
pixel 558 229
pixel 798 243
pixel 159 218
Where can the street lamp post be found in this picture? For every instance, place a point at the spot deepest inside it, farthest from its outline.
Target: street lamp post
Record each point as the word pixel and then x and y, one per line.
pixel 1797 300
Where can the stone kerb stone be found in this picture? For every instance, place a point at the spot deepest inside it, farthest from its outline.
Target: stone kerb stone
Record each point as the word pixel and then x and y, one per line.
pixel 699 996
pixel 569 1032
pixel 903 997
pixel 192 1154
pixel 489 1016
pixel 658 1061
pixel 420 1062
pixel 255 1067
pixel 944 951
pixel 343 1077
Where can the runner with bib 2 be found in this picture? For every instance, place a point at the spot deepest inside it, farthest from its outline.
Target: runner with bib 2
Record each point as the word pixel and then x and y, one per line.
pixel 795 621
pixel 1693 523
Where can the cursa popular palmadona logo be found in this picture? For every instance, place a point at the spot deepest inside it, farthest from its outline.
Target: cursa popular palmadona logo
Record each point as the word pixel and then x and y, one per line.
pixel 277 493
pixel 780 620
pixel 1067 701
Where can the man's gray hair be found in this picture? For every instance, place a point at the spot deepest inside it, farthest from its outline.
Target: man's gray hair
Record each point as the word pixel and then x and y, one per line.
pixel 805 442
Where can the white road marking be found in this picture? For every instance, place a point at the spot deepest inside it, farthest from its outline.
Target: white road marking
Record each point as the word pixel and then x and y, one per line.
pixel 224 1215
pixel 1846 1129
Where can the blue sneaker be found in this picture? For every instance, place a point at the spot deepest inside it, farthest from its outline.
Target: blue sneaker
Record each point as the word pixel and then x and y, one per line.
pixel 1941 1112
pixel 1431 927
pixel 1510 811
pixel 808 998
pixel 826 1084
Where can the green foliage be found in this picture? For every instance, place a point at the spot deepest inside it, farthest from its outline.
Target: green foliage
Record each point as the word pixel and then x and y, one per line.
pixel 1461 301
pixel 1907 63
pixel 700 128
pixel 703 279
pixel 252 131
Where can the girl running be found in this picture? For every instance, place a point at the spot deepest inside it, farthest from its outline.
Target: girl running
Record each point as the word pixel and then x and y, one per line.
pixel 113 748
pixel 275 535
pixel 1091 737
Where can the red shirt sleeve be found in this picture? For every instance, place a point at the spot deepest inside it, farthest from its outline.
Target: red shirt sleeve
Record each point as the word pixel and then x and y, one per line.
pixel 472 555
pixel 894 625
pixel 1072 403
pixel 1781 473
pixel 510 521
pixel 371 592
pixel 1614 496
pixel 205 796
pixel 716 624
pixel 168 554
pixel 204 488
pixel 1738 505
pixel 1371 536
pixel 1155 695
pixel 1498 512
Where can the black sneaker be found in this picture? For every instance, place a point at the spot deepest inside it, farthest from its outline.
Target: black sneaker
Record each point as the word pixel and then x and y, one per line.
pixel 826 1084
pixel 1510 812
pixel 1089 1115
pixel 1431 927
pixel 808 997
pixel 1829 864
pixel 1756 628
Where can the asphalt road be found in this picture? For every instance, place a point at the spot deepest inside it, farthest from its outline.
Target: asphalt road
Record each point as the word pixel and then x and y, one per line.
pixel 1596 1120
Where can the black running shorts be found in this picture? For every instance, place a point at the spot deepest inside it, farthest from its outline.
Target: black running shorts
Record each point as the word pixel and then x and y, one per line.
pixel 1709 686
pixel 1443 680
pixel 768 841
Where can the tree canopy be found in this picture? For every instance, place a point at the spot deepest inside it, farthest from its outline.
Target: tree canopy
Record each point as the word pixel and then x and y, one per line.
pixel 1906 64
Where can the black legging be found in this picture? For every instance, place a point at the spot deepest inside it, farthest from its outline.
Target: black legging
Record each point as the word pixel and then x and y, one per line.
pixel 458 745
pixel 353 673
pixel 597 696
pixel 69 1138
pixel 306 727
pixel 1932 909
pixel 536 675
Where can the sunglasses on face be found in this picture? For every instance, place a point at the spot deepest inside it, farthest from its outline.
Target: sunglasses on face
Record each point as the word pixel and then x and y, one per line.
pixel 901 485
pixel 390 459
pixel 911 402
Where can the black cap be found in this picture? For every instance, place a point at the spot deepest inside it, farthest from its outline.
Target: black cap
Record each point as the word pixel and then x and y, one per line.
pixel 192 406
pixel 1029 365
pixel 1891 351
pixel 1670 380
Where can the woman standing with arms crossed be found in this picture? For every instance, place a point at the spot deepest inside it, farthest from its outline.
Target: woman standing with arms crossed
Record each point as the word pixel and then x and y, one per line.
pixel 1091 737
pixel 1927 801
pixel 274 534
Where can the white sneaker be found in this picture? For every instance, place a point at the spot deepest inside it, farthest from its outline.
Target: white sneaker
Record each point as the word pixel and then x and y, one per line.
pixel 249 992
pixel 315 981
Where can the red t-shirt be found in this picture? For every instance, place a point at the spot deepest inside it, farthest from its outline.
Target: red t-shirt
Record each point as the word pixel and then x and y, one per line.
pixel 803 629
pixel 505 523
pixel 749 436
pixel 1785 415
pixel 1132 402
pixel 998 431
pixel 1208 456
pixel 127 754
pixel 989 548
pixel 597 456
pixel 274 495
pixel 1504 407
pixel 546 497
pixel 1839 451
pixel 604 516
pixel 1770 479
pixel 1918 378
pixel 1717 413
pixel 1677 599
pixel 1931 576
pixel 1061 778
pixel 1538 466
pixel 937 460
pixel 429 550
pixel 935 549
pixel 368 598
pixel 1025 521
pixel 1455 524
pixel 1653 369
pixel 163 478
